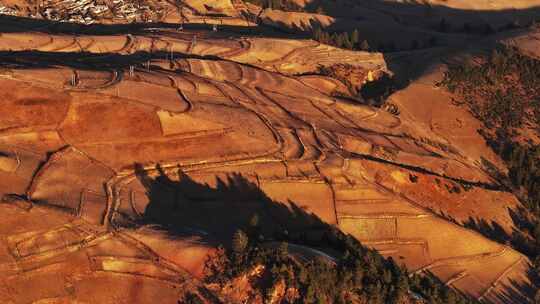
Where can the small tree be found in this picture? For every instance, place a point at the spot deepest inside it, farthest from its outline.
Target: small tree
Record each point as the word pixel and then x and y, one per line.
pixel 317 33
pixel 355 37
pixel 254 221
pixel 337 39
pixel 254 229
pixel 283 250
pixel 325 38
pixel 239 242
pixel 346 41
pixel 364 46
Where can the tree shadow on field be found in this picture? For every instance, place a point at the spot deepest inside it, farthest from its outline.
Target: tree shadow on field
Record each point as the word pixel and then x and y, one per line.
pixel 516 239
pixel 88 61
pixel 495 232
pixel 184 205
pixel 513 291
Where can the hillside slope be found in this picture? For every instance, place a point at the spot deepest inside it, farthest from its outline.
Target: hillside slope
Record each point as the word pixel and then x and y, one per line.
pixel 130 153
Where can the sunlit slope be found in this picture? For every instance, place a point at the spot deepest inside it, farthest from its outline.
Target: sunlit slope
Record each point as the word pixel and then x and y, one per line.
pixel 76 134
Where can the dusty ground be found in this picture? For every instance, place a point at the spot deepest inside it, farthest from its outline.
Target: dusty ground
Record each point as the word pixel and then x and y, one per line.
pixel 89 114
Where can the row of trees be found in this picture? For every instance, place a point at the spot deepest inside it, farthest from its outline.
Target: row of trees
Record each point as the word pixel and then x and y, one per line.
pixel 359 274
pixel 344 40
pixel 352 41
pixel 348 39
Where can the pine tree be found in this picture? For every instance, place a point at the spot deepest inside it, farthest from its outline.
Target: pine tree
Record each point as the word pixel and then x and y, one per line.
pixel 451 298
pixel 355 37
pixel 325 38
pixel 193 299
pixel 283 250
pixel 239 242
pixel 364 46
pixel 346 41
pixel 338 40
pixel 254 228
pixel 254 221
pixel 317 34
pixel 387 277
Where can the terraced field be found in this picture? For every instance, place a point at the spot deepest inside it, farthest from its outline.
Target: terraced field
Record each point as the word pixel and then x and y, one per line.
pixel 98 127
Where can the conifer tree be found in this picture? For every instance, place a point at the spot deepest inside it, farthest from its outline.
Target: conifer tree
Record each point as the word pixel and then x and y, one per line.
pixel 283 250
pixel 317 33
pixel 336 40
pixel 364 46
pixel 346 41
pixel 239 242
pixel 355 37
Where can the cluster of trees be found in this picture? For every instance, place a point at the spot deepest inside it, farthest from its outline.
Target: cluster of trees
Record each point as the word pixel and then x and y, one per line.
pixel 524 171
pixel 503 91
pixel 359 274
pixel 353 41
pixel 346 40
pixel 341 72
pixel 523 162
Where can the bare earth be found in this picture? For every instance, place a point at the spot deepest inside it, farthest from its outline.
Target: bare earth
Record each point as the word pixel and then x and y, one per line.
pixel 87 119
